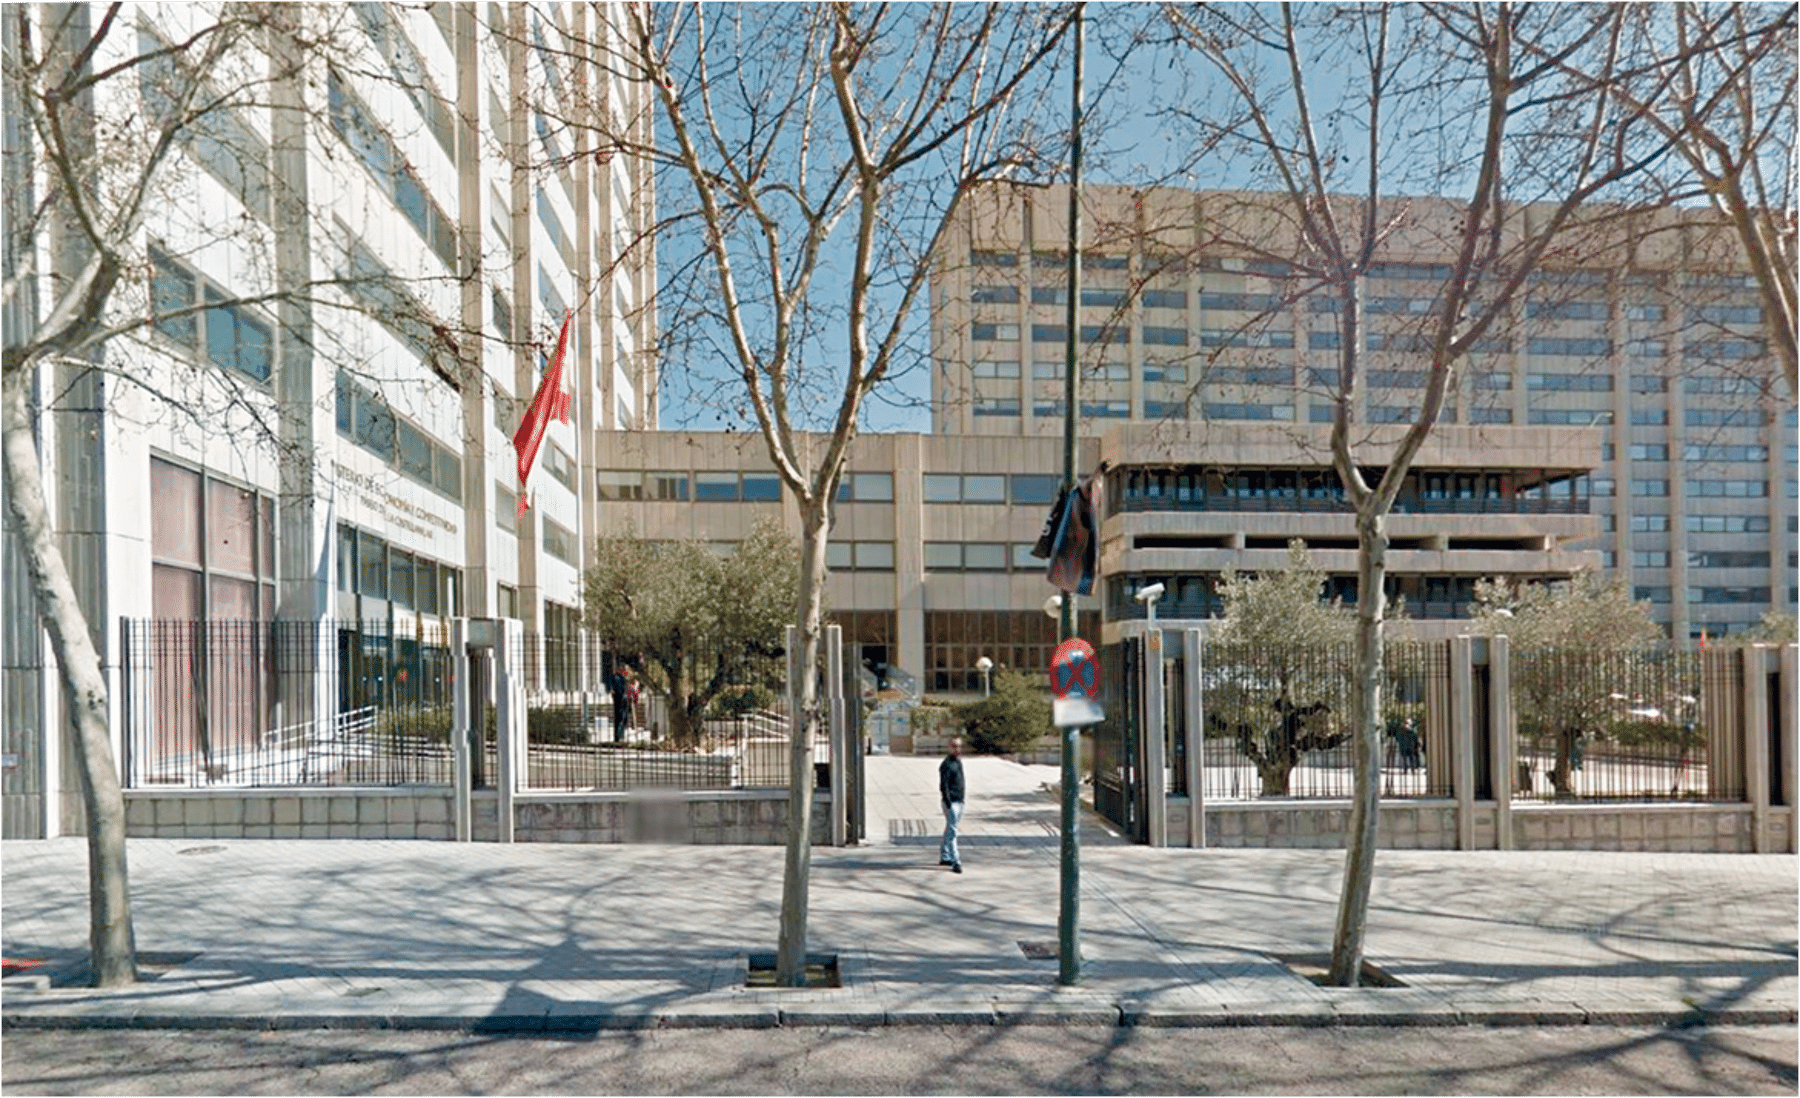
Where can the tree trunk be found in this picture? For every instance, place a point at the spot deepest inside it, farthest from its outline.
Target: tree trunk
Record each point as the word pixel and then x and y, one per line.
pixel 790 960
pixel 110 941
pixel 1562 775
pixel 1359 860
pixel 1275 774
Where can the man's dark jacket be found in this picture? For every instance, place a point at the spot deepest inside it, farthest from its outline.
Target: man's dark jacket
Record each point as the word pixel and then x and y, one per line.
pixel 950 780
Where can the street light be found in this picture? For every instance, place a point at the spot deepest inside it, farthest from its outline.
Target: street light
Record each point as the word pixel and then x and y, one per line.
pixel 985 665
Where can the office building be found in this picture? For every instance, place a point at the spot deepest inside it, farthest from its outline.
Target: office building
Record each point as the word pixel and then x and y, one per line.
pixel 1650 330
pixel 431 168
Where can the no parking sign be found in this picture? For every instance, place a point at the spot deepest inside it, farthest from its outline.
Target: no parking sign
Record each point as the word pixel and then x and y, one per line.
pixel 1075 680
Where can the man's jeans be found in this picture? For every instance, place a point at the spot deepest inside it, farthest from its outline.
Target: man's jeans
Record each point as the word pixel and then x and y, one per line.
pixel 947 851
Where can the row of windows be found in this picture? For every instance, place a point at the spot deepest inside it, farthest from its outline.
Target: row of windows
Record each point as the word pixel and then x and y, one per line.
pixel 1727 594
pixel 365 419
pixel 980 556
pixel 217 139
pixel 1734 489
pixel 232 336
pixel 1723 558
pixel 213 546
pixel 1722 524
pixel 368 566
pixel 409 72
pixel 1569 383
pixel 1724 453
pixel 859 556
pixel 368 282
pixel 1018 488
pixel 356 126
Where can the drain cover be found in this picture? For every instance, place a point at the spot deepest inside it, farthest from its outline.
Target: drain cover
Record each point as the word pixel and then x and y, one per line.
pixel 1038 951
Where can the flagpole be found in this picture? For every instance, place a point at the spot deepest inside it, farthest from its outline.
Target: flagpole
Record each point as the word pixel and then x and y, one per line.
pixel 1068 924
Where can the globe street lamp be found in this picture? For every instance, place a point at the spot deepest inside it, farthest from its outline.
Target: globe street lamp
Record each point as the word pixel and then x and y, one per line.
pixel 985 665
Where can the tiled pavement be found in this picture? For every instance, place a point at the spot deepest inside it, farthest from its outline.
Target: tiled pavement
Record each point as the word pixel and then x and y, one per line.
pixel 304 933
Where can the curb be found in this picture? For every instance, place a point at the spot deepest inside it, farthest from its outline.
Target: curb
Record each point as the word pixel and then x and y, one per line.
pixel 1490 1015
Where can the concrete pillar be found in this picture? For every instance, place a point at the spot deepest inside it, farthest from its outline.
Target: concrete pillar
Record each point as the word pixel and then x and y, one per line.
pixel 1156 782
pixel 1196 744
pixel 461 683
pixel 1503 731
pixel 1755 686
pixel 840 734
pixel 1439 758
pixel 909 558
pixel 509 715
pixel 1462 736
pixel 1788 665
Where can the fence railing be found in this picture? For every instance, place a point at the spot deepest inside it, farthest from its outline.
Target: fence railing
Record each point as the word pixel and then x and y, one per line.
pixel 1279 720
pixel 1600 725
pixel 708 717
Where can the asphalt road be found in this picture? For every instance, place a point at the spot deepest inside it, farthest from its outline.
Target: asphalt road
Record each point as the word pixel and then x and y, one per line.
pixel 912 1060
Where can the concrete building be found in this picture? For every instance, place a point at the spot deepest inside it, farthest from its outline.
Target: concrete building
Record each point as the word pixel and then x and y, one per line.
pixel 931 549
pixel 1653 336
pixel 345 455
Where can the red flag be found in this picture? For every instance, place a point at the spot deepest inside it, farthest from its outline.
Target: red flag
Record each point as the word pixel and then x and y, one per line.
pixel 549 403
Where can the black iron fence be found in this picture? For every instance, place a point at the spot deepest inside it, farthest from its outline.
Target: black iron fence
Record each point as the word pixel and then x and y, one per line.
pixel 1647 724
pixel 705 717
pixel 281 703
pixel 1279 720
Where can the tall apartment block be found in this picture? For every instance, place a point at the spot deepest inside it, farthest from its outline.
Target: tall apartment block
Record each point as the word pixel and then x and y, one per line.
pixel 1655 339
pixel 428 166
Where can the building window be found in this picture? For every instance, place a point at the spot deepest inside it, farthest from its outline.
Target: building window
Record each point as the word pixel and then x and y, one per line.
pixel 1029 488
pixel 1566 310
pixel 1729 524
pixel 1165 299
pixel 1165 337
pixel 859 556
pixel 995 295
pixel 1650 558
pixel 1649 523
pixel 1173 373
pixel 354 123
pixel 1731 489
pixel 1728 594
pixel 226 147
pixel 1649 487
pixel 231 336
pixel 365 419
pixel 1658 595
pixel 1049 295
pixel 996 369
pixel 1719 558
pixel 1281 412
pixel 995 333
pixel 1724 453
pixel 1570 348
pixel 558 541
pixel 408 69
pixel 866 488
pixel 1649 417
pixel 1490 416
pixel 997 406
pixel 560 466
pixel 506 508
pixel 212 547
pixel 1165 409
pixel 982 258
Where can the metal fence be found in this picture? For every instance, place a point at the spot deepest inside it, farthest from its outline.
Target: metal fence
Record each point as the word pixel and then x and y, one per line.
pixel 281 703
pixel 1599 725
pixel 716 717
pixel 1279 720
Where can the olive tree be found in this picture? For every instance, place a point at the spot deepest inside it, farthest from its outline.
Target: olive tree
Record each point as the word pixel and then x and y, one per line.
pixel 701 622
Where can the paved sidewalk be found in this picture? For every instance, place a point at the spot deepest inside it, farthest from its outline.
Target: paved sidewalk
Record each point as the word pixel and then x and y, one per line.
pixel 327 932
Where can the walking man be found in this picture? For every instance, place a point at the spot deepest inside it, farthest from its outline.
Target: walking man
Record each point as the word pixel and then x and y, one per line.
pixel 950 792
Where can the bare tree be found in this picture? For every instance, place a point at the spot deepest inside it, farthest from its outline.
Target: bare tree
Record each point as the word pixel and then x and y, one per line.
pixel 1516 165
pixel 113 114
pixel 816 155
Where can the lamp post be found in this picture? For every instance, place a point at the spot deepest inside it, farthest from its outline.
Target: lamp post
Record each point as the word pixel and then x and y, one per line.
pixel 985 666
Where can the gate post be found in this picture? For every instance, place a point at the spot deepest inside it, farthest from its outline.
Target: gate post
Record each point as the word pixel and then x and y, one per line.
pixel 1755 686
pixel 462 683
pixel 1196 733
pixel 840 734
pixel 1504 733
pixel 1788 666
pixel 509 715
pixel 1462 736
pixel 1156 783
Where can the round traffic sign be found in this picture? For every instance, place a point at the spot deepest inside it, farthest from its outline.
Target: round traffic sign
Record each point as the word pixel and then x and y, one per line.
pixel 1074 670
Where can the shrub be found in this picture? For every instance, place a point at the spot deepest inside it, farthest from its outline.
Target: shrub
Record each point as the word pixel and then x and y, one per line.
pixel 1013 719
pixel 741 701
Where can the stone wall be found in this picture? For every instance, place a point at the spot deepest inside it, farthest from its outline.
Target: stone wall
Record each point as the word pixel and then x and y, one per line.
pixel 1405 825
pixel 742 816
pixel 1431 825
pixel 1710 828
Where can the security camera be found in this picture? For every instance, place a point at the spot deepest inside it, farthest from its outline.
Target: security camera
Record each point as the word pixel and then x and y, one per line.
pixel 1150 593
